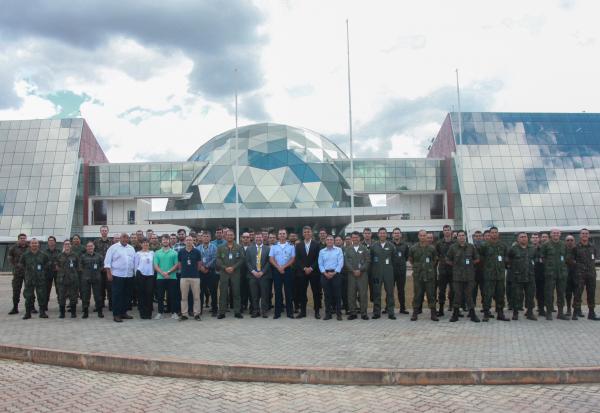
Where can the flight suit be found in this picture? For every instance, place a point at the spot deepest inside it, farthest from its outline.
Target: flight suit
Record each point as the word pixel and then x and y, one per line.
pixel 357 260
pixel 382 270
pixel 226 257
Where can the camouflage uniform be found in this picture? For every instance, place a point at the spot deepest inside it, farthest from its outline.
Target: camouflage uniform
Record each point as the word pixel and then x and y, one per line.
pixel 522 263
pixel 14 256
pixel 444 277
pixel 90 267
pixel 51 273
pixel 34 267
pixel 494 278
pixel 100 247
pixel 554 255
pixel 584 257
pixel 68 280
pixel 423 258
pixel 463 260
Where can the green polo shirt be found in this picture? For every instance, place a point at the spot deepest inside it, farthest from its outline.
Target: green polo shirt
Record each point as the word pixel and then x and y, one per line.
pixel 165 261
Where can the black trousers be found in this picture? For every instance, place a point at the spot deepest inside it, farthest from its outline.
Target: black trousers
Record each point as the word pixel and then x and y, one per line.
pixel 145 289
pixel 121 296
pixel 333 294
pixel 208 287
pixel 400 281
pixel 301 283
pixel 283 281
pixel 106 289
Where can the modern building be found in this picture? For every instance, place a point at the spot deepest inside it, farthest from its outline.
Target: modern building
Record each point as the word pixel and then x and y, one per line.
pixel 518 171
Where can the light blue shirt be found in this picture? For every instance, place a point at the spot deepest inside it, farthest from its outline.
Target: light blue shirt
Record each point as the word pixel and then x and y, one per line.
pixel 331 258
pixel 120 260
pixel 209 255
pixel 282 253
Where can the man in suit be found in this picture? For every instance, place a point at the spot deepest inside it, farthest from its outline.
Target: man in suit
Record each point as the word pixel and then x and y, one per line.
pixel 259 276
pixel 307 272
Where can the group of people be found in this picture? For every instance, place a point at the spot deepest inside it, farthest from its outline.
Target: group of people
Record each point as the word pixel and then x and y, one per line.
pixel 185 273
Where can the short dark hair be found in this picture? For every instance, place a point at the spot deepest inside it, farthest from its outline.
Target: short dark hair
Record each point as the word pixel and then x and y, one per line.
pixel 21 235
pixel 104 226
pixel 382 229
pixel 306 227
pixel 165 236
pixel 493 228
pixel 355 233
pixel 460 231
pixel 396 229
pixel 446 226
pixel 366 229
pixel 75 235
pixel 181 230
pixel 487 231
pixel 53 237
pixel 477 232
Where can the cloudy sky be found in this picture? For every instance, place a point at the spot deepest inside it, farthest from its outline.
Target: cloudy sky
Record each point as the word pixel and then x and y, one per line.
pixel 156 79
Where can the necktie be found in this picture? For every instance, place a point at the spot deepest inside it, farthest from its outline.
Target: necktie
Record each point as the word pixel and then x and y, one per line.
pixel 258 256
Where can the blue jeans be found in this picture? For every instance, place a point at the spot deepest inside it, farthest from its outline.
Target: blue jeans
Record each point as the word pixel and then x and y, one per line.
pixel 285 280
pixel 171 286
pixel 121 295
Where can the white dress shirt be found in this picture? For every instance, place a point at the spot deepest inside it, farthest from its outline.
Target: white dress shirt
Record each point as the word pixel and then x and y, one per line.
pixel 144 262
pixel 120 259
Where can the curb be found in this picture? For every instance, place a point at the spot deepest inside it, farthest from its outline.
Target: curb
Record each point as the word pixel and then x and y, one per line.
pixel 193 369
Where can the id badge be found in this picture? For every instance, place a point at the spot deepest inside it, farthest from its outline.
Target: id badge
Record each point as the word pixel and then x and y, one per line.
pixel 562 258
pixel 387 261
pixel 400 254
pixel 39 267
pixel 71 264
pixel 593 257
pixel 189 262
pixel 426 260
pixel 467 261
pixel 204 260
pixel 95 266
pixel 376 259
pixel 230 256
pixel 532 262
pixel 499 258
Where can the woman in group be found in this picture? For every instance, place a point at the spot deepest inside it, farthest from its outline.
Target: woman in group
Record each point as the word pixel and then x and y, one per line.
pixel 145 279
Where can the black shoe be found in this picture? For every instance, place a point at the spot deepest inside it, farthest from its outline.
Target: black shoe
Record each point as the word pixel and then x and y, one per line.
pixel 221 316
pixel 402 311
pixel 85 314
pixel 500 316
pixel 290 316
pixel 415 316
pixel 265 316
pixel 254 315
pixel 27 316
pixel 579 313
pixel 190 314
pixel 61 311
pixel 276 316
pixel 339 317
pixel 592 316
pixel 384 311
pixel 391 316
pixel 473 316
pixel 454 317
pixel 376 316
pixel 126 316
pixel 317 315
pixel 100 314
pixel 434 316
pixel 327 317
pixel 43 314
pixel 549 316
pixel 440 313
pixel 352 317
pixel 515 315
pixel 238 315
pixel 34 311
pixel 301 315
pixel 562 316
pixel 364 317
pixel 117 319
pixel 542 313
pixel 15 310
pixel 197 318
pixel 182 318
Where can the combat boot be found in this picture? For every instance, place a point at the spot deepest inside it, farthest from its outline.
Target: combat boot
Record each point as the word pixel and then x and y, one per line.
pixel 487 315
pixel 579 312
pixel 473 316
pixel 61 310
pixel 15 310
pixel 85 313
pixel 574 316
pixel 27 315
pixel 568 313
pixel 561 316
pixel 100 313
pixel 530 316
pixel 434 315
pixel 515 315
pixel 541 312
pixel 415 316
pixel 592 316
pixel 440 313
pixel 500 316
pixel 43 313
pixel 549 315
pixel 73 311
pixel 454 317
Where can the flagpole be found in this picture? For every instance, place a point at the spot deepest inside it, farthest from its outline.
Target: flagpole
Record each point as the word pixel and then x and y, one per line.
pixel 350 129
pixel 235 171
pixel 459 112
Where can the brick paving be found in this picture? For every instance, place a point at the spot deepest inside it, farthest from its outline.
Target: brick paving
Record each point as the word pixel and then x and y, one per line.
pixel 308 342
pixel 29 387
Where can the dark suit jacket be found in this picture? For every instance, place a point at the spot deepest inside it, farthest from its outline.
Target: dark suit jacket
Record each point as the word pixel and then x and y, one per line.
pixel 307 260
pixel 251 253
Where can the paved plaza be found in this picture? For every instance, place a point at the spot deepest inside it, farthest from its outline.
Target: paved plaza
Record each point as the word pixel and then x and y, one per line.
pixel 308 342
pixel 40 388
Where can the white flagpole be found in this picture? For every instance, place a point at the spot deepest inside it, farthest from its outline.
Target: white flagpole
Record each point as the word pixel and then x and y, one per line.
pixel 350 130
pixel 459 113
pixel 235 171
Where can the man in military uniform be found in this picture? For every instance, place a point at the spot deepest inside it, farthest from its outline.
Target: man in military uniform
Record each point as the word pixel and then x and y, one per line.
pixel 444 270
pixel 423 258
pixel 571 286
pixel 554 256
pixel 230 258
pixel 76 246
pixel 493 253
pixel 67 280
pixel 478 285
pixel 400 267
pixel 34 264
pixel 52 252
pixel 521 259
pixel 383 255
pixel 357 260
pixel 101 245
pixel 584 255
pixel 90 267
pixel 537 240
pixel 368 242
pixel 462 257
pixel 14 256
